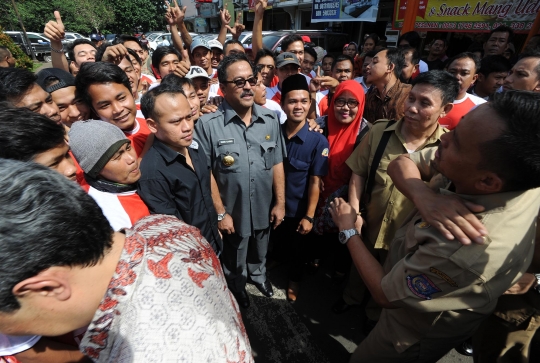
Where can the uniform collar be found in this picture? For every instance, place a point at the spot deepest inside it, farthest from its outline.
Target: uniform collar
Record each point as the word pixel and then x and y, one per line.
pixel 497 202
pixel 257 112
pixel 168 154
pixel 435 136
pixel 301 134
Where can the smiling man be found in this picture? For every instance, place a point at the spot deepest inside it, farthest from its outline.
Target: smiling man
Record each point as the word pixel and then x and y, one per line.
pixel 19 88
pixel 464 67
pixel 430 98
pixel 106 88
pixel 111 170
pixel 244 148
pixel 176 177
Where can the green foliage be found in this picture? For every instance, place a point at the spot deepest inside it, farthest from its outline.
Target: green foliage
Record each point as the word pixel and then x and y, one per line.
pixel 23 61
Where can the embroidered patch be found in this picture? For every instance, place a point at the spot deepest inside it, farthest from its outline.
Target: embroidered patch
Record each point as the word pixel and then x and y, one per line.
pixel 325 152
pixel 225 142
pixel 423 225
pixel 443 276
pixel 422 286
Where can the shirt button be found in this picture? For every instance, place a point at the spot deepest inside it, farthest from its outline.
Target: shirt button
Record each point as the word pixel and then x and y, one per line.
pixel 249 146
pixel 252 180
pixel 251 163
pixel 392 202
pixel 385 220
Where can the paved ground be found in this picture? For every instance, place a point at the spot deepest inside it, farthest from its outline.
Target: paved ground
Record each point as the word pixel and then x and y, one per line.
pixel 307 331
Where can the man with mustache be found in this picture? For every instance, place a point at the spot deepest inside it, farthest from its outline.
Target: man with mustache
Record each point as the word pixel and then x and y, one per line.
pixel 176 178
pixel 244 147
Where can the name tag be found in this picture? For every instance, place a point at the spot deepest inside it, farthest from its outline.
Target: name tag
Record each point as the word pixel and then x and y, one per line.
pixel 225 142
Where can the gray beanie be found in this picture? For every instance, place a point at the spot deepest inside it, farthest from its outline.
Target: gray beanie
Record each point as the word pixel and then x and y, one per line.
pixel 94 143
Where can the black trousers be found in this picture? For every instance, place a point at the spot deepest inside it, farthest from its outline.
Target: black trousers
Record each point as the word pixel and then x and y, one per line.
pixel 291 247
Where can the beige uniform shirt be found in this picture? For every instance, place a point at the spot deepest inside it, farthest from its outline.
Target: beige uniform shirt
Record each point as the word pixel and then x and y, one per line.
pixel 445 289
pixel 388 208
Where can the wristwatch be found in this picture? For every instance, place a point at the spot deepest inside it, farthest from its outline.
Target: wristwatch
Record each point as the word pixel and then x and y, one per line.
pixel 309 219
pixel 221 216
pixel 537 287
pixel 346 234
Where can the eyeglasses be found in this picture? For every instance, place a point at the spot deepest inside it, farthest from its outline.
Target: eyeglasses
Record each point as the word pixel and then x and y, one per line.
pixel 352 103
pixel 240 83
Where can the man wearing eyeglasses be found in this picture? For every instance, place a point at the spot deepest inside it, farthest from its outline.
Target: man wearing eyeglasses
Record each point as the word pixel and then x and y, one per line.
pixel 245 149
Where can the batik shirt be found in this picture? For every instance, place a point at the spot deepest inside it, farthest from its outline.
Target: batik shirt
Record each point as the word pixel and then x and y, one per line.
pixel 167 301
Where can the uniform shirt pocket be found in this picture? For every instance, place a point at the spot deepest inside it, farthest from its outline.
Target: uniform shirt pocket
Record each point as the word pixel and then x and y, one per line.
pixel 381 175
pixel 299 165
pixel 228 158
pixel 268 150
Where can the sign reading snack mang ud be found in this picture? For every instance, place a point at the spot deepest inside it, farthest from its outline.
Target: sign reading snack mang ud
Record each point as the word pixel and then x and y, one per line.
pixel 470 16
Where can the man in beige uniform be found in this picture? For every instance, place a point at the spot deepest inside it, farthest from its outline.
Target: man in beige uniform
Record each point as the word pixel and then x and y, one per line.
pixel 436 291
pixel 429 99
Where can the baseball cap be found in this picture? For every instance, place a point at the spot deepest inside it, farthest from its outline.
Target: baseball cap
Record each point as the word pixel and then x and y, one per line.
pixel 286 58
pixel 199 42
pixel 65 79
pixel 214 43
pixel 196 71
pixel 95 37
pixel 306 39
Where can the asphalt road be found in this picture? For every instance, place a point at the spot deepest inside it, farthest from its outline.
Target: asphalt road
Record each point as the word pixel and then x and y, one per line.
pixel 307 331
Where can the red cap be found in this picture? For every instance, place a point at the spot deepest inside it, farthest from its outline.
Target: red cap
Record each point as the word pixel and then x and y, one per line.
pixel 306 39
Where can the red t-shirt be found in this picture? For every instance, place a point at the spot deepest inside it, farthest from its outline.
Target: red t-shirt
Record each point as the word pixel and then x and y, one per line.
pixel 138 135
pixel 461 108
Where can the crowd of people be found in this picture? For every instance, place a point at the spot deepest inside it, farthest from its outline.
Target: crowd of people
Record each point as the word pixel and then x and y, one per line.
pixel 140 194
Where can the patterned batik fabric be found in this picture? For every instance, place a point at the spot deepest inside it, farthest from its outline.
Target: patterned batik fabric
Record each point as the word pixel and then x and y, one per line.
pixel 167 301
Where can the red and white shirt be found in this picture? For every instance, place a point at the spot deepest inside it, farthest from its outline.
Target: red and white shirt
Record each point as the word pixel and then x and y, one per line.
pixel 122 210
pixel 461 108
pixel 138 135
pixel 322 103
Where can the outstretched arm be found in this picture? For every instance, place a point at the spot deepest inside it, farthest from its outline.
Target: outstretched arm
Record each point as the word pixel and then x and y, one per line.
pixel 55 31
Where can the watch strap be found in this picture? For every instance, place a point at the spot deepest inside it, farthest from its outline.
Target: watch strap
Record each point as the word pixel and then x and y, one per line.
pixel 309 219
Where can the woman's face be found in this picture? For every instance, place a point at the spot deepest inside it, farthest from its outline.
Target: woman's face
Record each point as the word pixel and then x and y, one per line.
pixel 369 45
pixel 345 107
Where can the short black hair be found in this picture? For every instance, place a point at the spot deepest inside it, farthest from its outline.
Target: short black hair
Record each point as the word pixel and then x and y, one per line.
pixel 328 55
pixel 412 37
pixel 374 37
pixel 4 52
pixel 228 61
pixel 261 53
pixel 76 42
pixel 230 42
pixel 395 57
pixel 515 156
pixel 46 220
pixel 535 53
pixel 173 81
pixel 148 101
pixel 415 55
pixel 494 63
pixel 311 52
pixel 289 39
pixel 371 54
pixel 466 55
pixel 25 134
pixel 441 80
pixel 441 39
pixel 474 48
pixel 122 38
pixel 15 83
pixel 503 29
pixel 341 58
pixel 98 73
pixel 161 52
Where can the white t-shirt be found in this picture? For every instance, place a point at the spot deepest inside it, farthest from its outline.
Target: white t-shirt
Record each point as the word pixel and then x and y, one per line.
pixel 10 345
pixel 423 67
pixel 274 106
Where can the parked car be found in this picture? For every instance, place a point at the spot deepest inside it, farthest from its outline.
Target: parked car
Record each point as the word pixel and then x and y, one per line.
pixel 163 39
pixel 70 37
pixel 40 45
pixel 329 41
pixel 109 38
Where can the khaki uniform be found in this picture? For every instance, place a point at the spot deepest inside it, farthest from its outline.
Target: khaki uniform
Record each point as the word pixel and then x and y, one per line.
pixel 388 208
pixel 444 290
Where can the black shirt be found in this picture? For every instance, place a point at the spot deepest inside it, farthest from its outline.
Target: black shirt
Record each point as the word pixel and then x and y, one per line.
pixel 168 185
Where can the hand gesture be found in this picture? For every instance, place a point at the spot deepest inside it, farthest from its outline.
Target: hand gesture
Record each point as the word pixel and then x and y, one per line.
pixel 328 82
pixel 315 85
pixel 453 217
pixel 114 54
pixel 238 27
pixel 225 16
pixel 226 225
pixel 523 285
pixel 260 6
pixel 277 214
pixel 178 13
pixel 343 214
pixel 54 30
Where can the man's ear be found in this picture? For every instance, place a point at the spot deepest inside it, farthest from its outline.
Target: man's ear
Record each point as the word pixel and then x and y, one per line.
pixel 446 109
pixel 489 183
pixel 152 125
pixel 391 67
pixel 537 87
pixel 475 77
pixel 415 68
pixel 45 284
pixel 481 78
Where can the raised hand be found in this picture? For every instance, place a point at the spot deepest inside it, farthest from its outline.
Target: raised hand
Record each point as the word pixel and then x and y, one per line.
pixel 54 29
pixel 115 54
pixel 225 16
pixel 260 6
pixel 178 13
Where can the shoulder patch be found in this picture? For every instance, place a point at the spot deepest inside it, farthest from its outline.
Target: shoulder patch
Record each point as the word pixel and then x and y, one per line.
pixel 422 286
pixel 325 152
pixel 443 276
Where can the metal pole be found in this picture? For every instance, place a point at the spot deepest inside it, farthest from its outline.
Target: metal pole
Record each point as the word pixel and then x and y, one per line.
pixel 24 31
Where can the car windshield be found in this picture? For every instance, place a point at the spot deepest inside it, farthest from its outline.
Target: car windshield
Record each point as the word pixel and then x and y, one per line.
pixel 77 35
pixel 269 41
pixel 152 36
